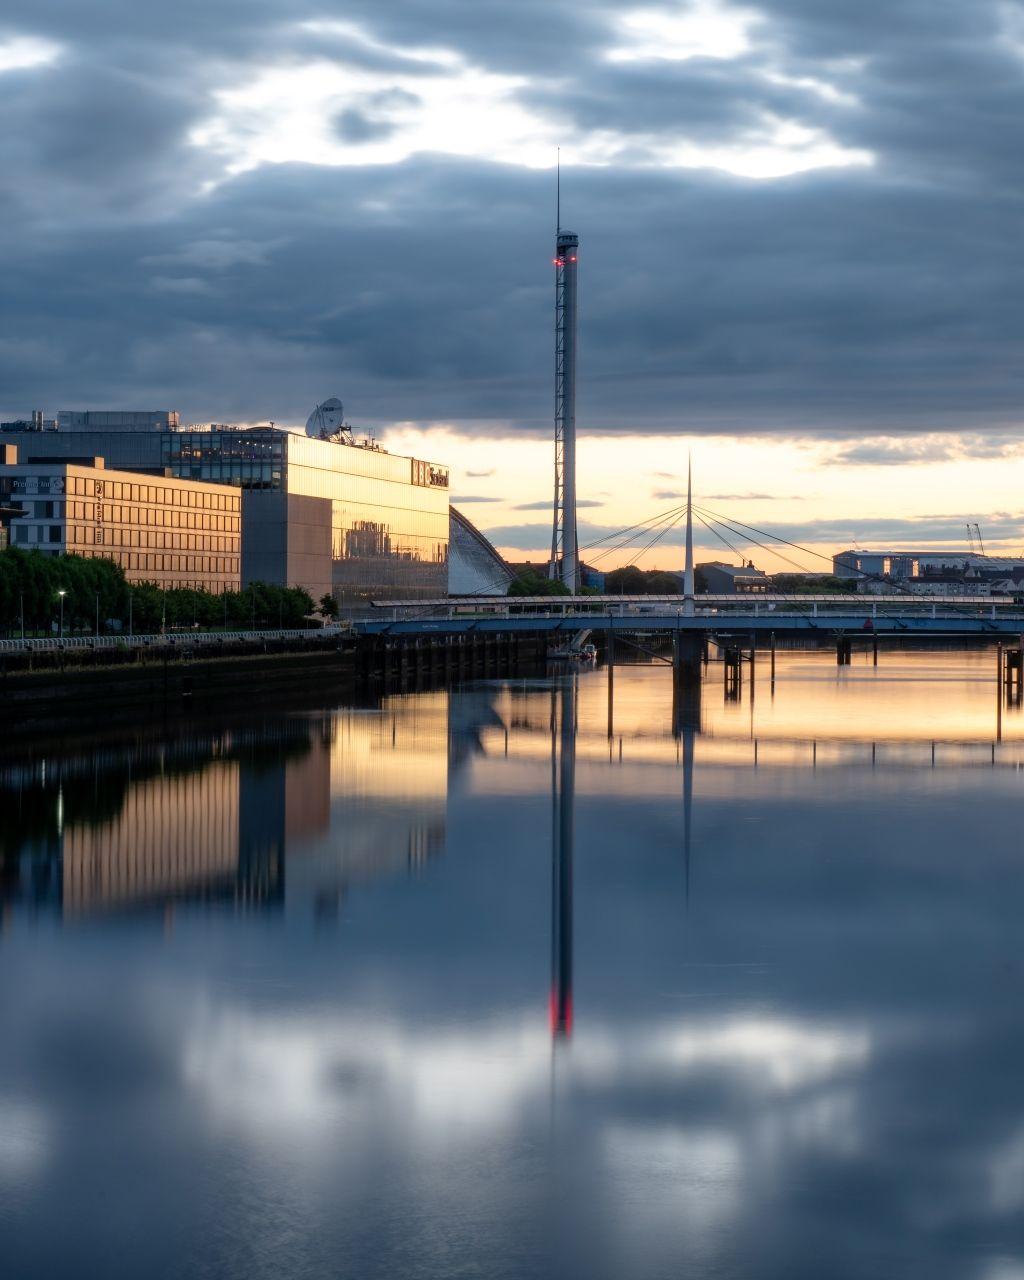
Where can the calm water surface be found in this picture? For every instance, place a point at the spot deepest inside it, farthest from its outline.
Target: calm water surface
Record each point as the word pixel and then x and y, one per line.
pixel 507 983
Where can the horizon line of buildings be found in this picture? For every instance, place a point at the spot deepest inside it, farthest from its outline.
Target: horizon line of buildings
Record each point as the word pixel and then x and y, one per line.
pixel 218 507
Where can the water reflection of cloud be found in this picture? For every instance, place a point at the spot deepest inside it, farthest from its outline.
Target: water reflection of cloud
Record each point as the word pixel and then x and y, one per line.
pixel 24 1138
pixel 672 1180
pixel 1006 1174
pixel 292 1073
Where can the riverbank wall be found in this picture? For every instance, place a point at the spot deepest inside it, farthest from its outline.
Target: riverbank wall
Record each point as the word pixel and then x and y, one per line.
pixel 42 691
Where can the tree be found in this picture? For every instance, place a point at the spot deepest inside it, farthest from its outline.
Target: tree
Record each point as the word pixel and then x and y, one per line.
pixel 528 582
pixel 634 581
pixel 812 584
pixel 328 606
pixel 32 580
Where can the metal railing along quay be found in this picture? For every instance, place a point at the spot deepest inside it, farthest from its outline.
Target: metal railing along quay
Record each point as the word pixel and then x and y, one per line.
pixel 171 639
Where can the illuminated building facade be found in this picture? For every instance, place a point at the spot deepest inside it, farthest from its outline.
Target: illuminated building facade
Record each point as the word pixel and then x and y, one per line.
pixel 158 528
pixel 330 515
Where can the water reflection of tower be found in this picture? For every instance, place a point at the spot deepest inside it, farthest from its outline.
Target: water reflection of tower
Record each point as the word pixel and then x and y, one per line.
pixel 686 725
pixel 563 799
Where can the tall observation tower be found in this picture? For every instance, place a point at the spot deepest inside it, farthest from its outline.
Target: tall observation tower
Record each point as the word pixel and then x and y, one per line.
pixel 564 549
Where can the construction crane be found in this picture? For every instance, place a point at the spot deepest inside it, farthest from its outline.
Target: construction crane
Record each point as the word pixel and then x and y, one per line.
pixel 974 538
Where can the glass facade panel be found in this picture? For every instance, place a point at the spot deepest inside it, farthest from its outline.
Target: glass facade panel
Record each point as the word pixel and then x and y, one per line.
pixel 246 459
pixel 388 516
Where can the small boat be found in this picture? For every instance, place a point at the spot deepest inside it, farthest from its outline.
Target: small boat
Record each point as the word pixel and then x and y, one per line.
pixel 574 653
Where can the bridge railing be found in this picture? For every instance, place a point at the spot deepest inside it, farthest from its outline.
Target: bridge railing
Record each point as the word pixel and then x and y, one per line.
pixel 172 639
pixel 757 605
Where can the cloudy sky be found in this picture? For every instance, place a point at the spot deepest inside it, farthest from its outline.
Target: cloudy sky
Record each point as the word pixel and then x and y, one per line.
pixel 801 242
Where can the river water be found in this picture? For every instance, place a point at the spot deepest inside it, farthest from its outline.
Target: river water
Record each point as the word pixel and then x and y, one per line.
pixel 521 981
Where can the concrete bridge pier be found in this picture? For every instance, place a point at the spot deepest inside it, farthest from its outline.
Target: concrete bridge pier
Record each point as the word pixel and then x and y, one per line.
pixel 732 671
pixel 687 657
pixel 686 707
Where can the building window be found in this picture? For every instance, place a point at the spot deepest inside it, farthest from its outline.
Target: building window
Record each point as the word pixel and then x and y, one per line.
pixel 55 533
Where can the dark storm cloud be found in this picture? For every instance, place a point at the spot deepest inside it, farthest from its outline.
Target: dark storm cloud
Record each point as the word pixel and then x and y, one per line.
pixel 882 299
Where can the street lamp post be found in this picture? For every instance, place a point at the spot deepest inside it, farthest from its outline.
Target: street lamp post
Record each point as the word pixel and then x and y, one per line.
pixel 97 615
pixel 62 594
pixel 21 599
pixel 131 620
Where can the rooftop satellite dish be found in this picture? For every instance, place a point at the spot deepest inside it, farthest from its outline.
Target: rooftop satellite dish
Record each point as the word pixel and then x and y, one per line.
pixel 327 420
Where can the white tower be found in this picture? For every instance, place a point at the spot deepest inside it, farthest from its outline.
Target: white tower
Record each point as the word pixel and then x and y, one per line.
pixel 564 549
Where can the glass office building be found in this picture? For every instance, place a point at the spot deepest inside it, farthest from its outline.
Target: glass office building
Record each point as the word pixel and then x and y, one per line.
pixel 328 515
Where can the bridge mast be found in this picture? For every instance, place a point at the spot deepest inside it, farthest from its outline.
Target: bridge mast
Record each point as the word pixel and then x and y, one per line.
pixel 564 549
pixel 688 568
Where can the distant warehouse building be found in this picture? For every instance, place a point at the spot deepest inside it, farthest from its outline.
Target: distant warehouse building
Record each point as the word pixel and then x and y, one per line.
pixel 732 579
pixel 890 564
pixel 158 528
pixel 321 511
pixel 943 573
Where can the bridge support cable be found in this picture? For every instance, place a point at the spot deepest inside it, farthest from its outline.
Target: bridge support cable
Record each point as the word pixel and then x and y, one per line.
pixel 744 530
pixel 750 541
pixel 653 542
pixel 624 538
pixel 721 538
pixel 650 522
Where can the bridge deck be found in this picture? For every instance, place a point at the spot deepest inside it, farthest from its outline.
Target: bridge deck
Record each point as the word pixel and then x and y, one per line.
pixel 735 615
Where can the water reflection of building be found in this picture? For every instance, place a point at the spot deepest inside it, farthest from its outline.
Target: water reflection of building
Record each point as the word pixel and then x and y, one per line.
pixel 389 777
pixel 315 806
pixel 205 819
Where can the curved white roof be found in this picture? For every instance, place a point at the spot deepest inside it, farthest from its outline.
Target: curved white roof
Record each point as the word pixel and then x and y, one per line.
pixel 474 566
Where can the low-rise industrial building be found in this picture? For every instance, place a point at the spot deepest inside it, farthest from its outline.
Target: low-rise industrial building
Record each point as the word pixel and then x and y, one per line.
pixel 945 573
pixel 732 579
pixel 157 527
